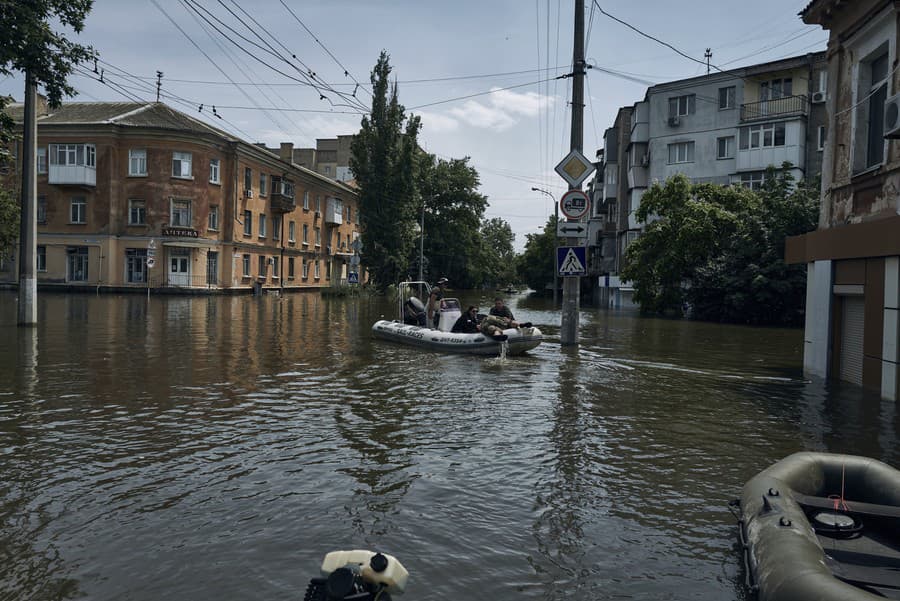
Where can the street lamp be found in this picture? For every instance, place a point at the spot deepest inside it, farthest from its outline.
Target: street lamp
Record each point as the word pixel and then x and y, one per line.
pixel 556 216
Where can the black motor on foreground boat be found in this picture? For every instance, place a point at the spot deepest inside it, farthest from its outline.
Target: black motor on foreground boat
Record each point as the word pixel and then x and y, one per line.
pixel 357 575
pixel 822 526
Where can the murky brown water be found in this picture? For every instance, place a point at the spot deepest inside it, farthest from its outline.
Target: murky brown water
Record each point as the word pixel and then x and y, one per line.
pixel 216 448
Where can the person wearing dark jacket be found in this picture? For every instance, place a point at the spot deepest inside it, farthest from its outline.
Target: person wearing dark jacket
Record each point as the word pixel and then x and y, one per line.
pixel 501 310
pixel 467 322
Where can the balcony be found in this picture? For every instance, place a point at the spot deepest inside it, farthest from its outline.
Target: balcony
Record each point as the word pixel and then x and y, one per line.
pixel 334 211
pixel 281 197
pixel 776 108
pixel 72 164
pixel 75 175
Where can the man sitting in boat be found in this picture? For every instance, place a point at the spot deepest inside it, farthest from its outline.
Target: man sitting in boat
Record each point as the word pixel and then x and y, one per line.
pixel 467 322
pixel 414 312
pixel 435 303
pixel 501 310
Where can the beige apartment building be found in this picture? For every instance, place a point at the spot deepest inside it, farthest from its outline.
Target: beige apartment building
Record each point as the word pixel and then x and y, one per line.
pixel 138 195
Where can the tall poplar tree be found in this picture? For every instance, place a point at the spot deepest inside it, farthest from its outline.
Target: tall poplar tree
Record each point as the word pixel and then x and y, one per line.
pixel 383 161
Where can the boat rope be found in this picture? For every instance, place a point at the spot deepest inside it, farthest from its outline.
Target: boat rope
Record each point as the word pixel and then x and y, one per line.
pixel 839 503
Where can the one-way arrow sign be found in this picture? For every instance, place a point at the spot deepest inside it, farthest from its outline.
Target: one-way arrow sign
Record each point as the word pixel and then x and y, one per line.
pixel 571 230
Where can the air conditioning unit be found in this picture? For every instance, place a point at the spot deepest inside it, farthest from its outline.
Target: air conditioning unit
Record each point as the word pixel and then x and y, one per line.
pixel 892 117
pixel 818 97
pixel 674 121
pixel 645 160
pixel 318 213
pixel 248 193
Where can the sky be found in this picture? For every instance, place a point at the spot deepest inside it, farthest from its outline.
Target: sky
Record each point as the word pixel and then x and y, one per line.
pixel 483 76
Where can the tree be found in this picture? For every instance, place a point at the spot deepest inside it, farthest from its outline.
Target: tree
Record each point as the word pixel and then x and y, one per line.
pixel 453 213
pixel 537 265
pixel 498 257
pixel 383 161
pixel 719 250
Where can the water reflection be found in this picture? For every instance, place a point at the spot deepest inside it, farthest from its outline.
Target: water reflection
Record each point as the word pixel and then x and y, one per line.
pixel 209 448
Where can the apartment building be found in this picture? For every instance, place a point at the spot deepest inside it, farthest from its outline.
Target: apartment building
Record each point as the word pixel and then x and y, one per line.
pixel 853 258
pixel 723 128
pixel 330 157
pixel 139 195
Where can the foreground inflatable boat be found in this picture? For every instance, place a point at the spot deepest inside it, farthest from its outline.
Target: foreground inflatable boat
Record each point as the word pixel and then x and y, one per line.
pixel 518 340
pixel 822 526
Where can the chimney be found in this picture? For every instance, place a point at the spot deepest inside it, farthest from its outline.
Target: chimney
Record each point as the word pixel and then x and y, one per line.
pixel 42 107
pixel 287 152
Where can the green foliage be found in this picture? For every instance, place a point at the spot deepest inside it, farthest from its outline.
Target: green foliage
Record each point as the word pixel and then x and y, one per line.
pixel 453 213
pixel 720 250
pixel 9 222
pixel 497 261
pixel 537 265
pixel 383 161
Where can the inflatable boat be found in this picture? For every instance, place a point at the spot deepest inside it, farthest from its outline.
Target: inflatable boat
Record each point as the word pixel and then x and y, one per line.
pixel 822 526
pixel 409 329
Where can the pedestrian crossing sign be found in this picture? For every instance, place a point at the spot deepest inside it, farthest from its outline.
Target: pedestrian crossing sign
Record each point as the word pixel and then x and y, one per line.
pixel 570 260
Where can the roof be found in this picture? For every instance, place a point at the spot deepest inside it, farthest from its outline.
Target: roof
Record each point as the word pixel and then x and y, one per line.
pixel 125 114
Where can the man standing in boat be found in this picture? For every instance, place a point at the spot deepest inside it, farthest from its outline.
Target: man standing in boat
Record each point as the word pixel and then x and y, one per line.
pixel 435 303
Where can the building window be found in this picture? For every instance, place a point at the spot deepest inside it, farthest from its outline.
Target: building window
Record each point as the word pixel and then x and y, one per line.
pixel 262 225
pixel 357 217
pixel 78 212
pixel 213 218
pixel 305 269
pixel 137 212
pixel 248 179
pixel 681 152
pixel 275 266
pixel 305 233
pixel 42 209
pixel 765 135
pixel 248 223
pixel 292 228
pixel 318 203
pixel 245 261
pixel 77 263
pixel 290 268
pixel 262 184
pixel 306 201
pixel 316 270
pixel 276 228
pixel 725 147
pixel 181 165
pixel 820 138
pixel 776 88
pixel 327 270
pixel 137 162
pixel 180 213
pixel 262 266
pixel 873 82
pixel 214 171
pixel 318 232
pixel 327 170
pixel 680 106
pixel 753 180
pixel 73 155
pixel 726 97
pixel 42 258
pixel 42 160
pixel 135 265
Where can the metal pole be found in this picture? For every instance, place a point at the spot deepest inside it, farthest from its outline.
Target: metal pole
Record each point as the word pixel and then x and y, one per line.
pixel 28 225
pixel 556 216
pixel 422 243
pixel 568 334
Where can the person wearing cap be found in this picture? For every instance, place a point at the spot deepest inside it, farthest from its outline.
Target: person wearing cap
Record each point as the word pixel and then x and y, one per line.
pixel 435 303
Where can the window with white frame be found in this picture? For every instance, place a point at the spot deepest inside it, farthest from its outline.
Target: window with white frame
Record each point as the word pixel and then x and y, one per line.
pixel 318 203
pixel 610 177
pixel 316 270
pixel 774 89
pixel 680 106
pixel 291 268
pixel 42 209
pixel 305 233
pixel 262 225
pixel 868 144
pixel 137 161
pixel 245 263
pixel 753 180
pixel 214 166
pixel 181 165
pixel 820 138
pixel 306 203
pixel 725 147
pixel 42 160
pixel 248 178
pixel 276 227
pixel 263 272
pixel 180 213
pixel 248 223
pixel 78 210
pixel 77 263
pixel 262 184
pixel 275 268
pixel 292 228
pixel 727 97
pixel 765 135
pixel 135 265
pixel 73 155
pixel 137 212
pixel 318 232
pixel 304 269
pixel 213 223
pixel 681 152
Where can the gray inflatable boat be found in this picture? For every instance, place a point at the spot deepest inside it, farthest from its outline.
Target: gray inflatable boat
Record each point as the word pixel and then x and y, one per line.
pixel 822 526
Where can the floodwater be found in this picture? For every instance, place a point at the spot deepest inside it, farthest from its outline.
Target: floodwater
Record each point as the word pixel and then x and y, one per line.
pixel 216 448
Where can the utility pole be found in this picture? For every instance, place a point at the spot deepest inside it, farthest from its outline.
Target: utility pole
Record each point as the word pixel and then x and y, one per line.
pixel 556 217
pixel 28 224
pixel 422 243
pixel 708 56
pixel 159 75
pixel 568 333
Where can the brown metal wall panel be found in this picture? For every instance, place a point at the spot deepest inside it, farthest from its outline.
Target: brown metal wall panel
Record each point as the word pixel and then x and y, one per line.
pixel 874 334
pixel 850 273
pixel 877 238
pixel 871 376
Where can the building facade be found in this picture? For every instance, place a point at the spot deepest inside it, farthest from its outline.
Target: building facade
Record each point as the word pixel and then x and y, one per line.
pixel 724 128
pixel 853 258
pixel 330 157
pixel 139 195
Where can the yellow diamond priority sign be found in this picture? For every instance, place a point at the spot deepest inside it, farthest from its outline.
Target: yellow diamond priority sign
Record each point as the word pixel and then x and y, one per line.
pixel 575 168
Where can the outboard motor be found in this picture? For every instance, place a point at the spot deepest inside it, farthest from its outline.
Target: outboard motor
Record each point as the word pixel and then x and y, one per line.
pixel 414 312
pixel 358 576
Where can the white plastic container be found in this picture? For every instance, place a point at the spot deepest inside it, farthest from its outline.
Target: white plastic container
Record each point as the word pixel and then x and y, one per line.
pixel 393 577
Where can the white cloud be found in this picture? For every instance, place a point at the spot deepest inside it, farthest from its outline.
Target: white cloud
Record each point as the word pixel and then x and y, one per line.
pixel 502 108
pixel 487 117
pixel 527 104
pixel 436 123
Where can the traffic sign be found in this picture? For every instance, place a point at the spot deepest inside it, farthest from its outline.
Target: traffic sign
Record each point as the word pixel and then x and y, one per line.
pixel 354 260
pixel 574 204
pixel 151 262
pixel 570 260
pixel 353 278
pixel 575 168
pixel 152 243
pixel 571 230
